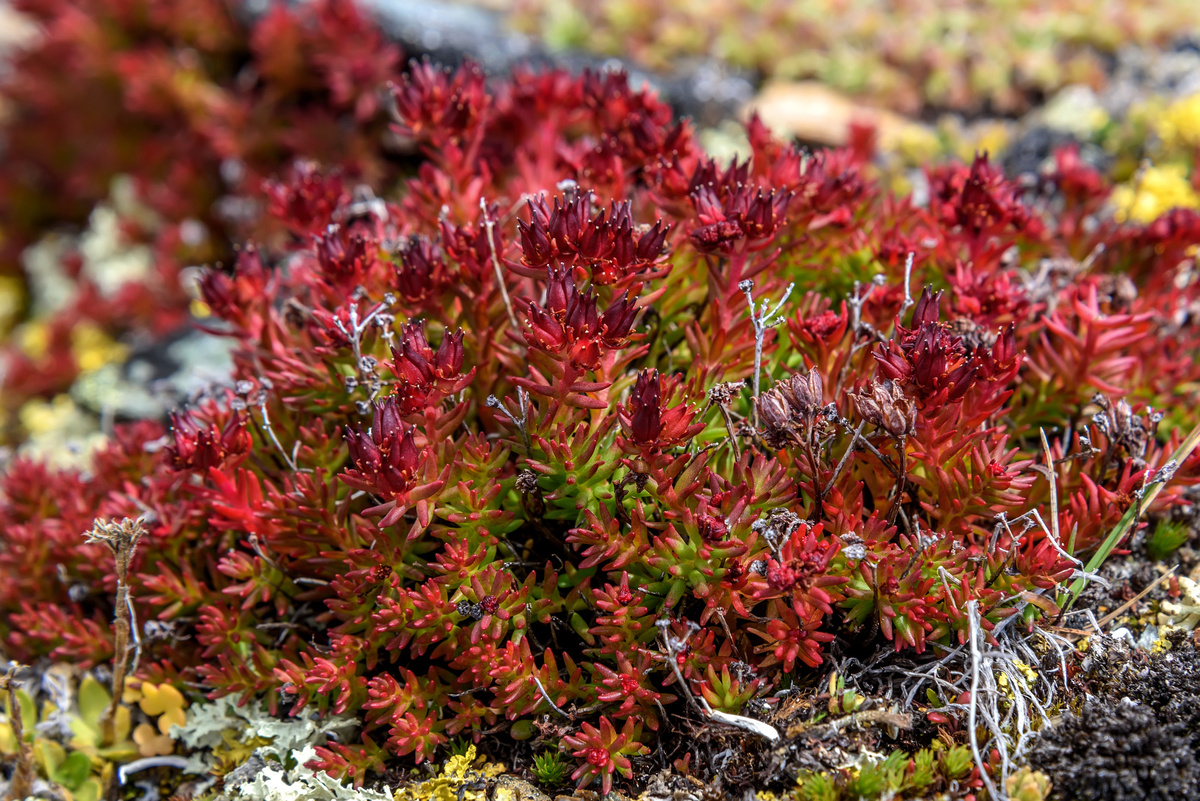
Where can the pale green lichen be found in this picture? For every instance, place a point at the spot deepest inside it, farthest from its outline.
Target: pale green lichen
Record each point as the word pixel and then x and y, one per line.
pixel 275 783
pixel 213 726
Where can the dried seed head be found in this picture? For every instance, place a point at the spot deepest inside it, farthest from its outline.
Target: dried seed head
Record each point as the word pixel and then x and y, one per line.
pixel 527 482
pixel 805 392
pixel 723 394
pixel 776 416
pixel 469 610
pixel 531 494
pixel 791 407
pixel 885 406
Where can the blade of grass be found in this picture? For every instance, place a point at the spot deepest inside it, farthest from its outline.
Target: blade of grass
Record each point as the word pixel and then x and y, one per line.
pixel 1130 517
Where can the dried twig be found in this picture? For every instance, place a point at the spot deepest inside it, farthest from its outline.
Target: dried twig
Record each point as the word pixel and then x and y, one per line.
pixel 841 465
pixel 549 700
pixel 908 298
pixel 490 225
pixel 762 320
pixel 973 706
pixel 122 539
pixel 761 728
pixel 1136 510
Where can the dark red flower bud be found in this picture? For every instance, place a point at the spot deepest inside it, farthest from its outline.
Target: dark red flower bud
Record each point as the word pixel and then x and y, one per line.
pixel 197 448
pixel 410 357
pixel 711 237
pixel 780 577
pixel 217 290
pixel 420 372
pixel 765 213
pixel 448 361
pixel 645 421
pixel 1005 349
pixel 433 104
pixel 421 270
pixel 345 257
pixel 581 315
pixel 403 458
pixel 617 321
pixel 536 248
pixel 979 208
pixel 385 458
pixel 229 296
pixel 559 289
pixel 708 206
pixel 364 453
pixel 386 421
pixel 712 529
pixel 960 380
pixel 651 243
pixel 926 308
pixel 545 331
pixel 571 319
pixel 307 200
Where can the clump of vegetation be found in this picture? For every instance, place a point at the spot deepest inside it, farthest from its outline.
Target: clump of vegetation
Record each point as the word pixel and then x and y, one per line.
pixel 588 449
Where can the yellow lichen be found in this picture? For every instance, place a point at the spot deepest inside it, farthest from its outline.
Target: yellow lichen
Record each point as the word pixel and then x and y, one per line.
pixel 1152 192
pixel 93 349
pixel 39 417
pixel 917 144
pixel 459 781
pixel 1179 125
pixel 12 299
pixel 152 743
pixel 33 339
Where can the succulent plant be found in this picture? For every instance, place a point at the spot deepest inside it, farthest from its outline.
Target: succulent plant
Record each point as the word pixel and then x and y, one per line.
pixel 584 436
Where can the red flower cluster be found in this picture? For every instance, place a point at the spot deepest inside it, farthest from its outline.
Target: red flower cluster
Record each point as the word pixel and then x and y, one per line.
pixel 569 323
pixel 604 244
pixel 387 462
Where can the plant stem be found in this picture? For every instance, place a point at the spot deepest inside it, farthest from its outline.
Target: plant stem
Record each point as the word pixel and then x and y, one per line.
pixel 24 772
pixel 491 226
pixel 762 321
pixel 122 539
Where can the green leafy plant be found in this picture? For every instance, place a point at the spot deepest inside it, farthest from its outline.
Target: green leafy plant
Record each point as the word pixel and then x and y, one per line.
pixel 899 775
pixel 550 770
pixel 1167 538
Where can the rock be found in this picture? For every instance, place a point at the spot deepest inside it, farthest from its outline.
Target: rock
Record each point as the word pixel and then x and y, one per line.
pixel 449 33
pixel 812 112
pixel 669 786
pixel 509 788
pixel 245 772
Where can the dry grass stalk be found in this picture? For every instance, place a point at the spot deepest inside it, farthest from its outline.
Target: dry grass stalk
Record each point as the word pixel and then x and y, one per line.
pixel 122 539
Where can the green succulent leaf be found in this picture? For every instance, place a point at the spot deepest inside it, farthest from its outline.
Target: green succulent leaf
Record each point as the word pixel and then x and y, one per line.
pixel 93 701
